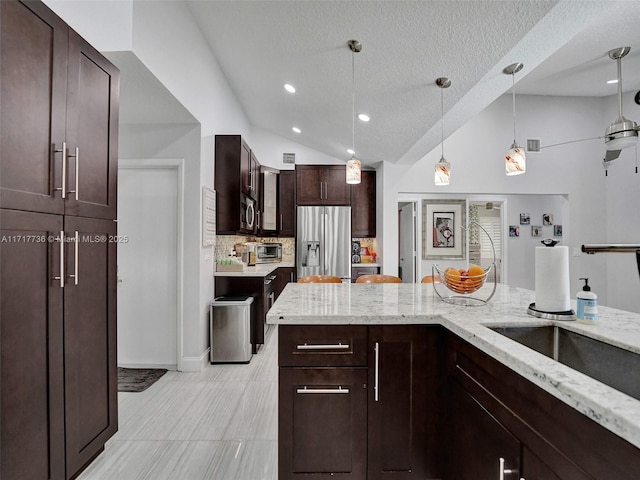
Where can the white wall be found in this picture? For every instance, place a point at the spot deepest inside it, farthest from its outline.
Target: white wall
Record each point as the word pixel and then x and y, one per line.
pixel 598 208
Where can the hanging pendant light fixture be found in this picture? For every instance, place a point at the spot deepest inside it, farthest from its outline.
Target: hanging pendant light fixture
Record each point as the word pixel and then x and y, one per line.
pixel 354 167
pixel 442 174
pixel 515 158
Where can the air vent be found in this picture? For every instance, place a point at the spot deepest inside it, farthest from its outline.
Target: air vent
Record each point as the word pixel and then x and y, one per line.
pixel 289 158
pixel 533 144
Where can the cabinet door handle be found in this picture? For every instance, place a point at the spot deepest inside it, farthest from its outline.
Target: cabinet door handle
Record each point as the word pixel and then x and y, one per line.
pixel 321 193
pixel 330 391
pixel 75 258
pixel 504 471
pixel 338 346
pixel 61 277
pixel 77 162
pixel 280 221
pixel 63 188
pixel 376 373
pixel 326 190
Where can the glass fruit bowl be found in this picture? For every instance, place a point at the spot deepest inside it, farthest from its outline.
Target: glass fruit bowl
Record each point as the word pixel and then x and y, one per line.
pixel 463 281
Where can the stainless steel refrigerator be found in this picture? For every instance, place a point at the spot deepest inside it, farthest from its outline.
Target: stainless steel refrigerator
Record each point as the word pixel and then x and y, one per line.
pixel 323 241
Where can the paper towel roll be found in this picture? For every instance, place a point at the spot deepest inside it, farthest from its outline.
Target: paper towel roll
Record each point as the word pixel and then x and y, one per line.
pixel 552 279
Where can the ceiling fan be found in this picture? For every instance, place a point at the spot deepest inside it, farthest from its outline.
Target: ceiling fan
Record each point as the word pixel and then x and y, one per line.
pixel 622 133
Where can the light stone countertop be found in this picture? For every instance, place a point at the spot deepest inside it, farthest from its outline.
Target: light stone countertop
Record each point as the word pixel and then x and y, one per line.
pixel 376 304
pixel 259 270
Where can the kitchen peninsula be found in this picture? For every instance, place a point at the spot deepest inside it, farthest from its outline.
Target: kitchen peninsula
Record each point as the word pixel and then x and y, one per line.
pixel 368 372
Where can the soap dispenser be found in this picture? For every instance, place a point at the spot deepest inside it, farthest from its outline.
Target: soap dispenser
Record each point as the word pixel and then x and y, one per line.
pixel 587 304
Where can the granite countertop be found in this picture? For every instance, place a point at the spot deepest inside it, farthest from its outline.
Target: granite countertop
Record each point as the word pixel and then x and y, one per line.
pixel 376 304
pixel 259 270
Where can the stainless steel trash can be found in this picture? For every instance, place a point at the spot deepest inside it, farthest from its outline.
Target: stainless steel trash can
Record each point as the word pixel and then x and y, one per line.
pixel 230 329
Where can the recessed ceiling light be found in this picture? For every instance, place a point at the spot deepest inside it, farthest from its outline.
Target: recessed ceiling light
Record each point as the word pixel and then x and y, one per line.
pixel 350 151
pixel 615 80
pixel 296 129
pixel 364 117
pixel 289 88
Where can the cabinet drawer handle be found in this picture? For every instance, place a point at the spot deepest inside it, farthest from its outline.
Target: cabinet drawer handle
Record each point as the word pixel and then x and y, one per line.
pixel 61 277
pixel 77 162
pixel 330 391
pixel 63 189
pixel 504 471
pixel 339 346
pixel 376 380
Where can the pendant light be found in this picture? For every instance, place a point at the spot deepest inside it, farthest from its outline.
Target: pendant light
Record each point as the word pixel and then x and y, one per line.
pixel 515 158
pixel 354 167
pixel 442 174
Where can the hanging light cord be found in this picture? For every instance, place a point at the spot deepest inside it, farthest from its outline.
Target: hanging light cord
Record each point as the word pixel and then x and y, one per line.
pixel 513 89
pixel 353 102
pixel 442 121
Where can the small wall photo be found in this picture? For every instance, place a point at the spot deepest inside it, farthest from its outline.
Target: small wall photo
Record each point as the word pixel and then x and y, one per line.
pixel 525 219
pixel 557 230
pixel 536 230
pixel 547 219
pixel 514 231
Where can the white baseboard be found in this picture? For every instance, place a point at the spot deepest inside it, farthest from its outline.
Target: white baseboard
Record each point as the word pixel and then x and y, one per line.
pixel 172 366
pixel 195 364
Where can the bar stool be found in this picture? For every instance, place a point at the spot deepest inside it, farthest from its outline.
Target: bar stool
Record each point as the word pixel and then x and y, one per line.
pixel 431 279
pixel 378 278
pixel 319 279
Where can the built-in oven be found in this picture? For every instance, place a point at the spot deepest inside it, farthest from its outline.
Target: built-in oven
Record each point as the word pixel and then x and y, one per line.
pixel 247 213
pixel 268 252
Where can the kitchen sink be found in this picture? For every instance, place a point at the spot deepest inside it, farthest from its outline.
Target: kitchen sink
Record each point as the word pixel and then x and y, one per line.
pixel 611 365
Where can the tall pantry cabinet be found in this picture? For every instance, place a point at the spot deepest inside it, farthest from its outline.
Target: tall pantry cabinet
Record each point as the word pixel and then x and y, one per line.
pixel 58 175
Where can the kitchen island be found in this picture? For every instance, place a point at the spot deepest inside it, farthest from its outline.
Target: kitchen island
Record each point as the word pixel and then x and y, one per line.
pixel 465 332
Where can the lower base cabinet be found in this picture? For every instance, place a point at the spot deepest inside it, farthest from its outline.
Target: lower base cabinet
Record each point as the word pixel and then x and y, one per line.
pixel 359 402
pixel 497 414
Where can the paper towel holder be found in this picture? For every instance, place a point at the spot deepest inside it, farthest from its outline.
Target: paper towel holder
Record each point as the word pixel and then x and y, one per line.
pixel 566 315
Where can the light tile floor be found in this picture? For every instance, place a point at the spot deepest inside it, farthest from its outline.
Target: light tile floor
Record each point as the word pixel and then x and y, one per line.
pixel 218 424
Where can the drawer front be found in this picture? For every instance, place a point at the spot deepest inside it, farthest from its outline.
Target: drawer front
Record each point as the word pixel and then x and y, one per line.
pixel 320 346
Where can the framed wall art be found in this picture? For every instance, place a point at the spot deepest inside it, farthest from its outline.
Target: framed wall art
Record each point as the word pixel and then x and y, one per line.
pixel 443 235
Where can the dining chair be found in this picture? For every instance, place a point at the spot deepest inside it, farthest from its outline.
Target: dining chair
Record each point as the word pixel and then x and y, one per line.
pixel 378 278
pixel 319 279
pixel 431 279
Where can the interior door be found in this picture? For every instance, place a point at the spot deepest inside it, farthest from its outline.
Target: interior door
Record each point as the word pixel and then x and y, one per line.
pixel 407 233
pixel 147 266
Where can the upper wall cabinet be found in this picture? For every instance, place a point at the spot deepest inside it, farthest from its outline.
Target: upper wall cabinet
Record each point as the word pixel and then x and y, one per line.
pixel 363 206
pixel 287 203
pixel 59 117
pixel 237 176
pixel 322 185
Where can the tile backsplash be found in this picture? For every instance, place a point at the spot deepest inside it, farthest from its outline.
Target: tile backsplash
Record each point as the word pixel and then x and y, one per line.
pixel 225 244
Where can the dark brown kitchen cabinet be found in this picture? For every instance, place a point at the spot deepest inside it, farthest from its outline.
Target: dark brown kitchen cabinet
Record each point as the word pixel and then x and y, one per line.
pixel 59 117
pixel 236 182
pixel 556 440
pixel 285 275
pixel 363 206
pixel 398 396
pixel 32 444
pixel 63 317
pixel 322 185
pixel 91 376
pixel 481 446
pixel 58 180
pixel 268 218
pixel 287 203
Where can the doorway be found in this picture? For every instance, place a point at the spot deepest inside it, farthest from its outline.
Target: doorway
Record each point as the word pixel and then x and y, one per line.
pixel 407 241
pixel 149 263
pixel 489 214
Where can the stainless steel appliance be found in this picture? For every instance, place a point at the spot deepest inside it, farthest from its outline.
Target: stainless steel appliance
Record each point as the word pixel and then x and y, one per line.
pixel 323 241
pixel 247 213
pixel 269 252
pixel 230 322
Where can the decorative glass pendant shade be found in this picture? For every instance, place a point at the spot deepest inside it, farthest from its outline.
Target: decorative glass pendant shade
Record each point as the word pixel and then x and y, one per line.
pixel 443 172
pixel 442 175
pixel 354 169
pixel 515 160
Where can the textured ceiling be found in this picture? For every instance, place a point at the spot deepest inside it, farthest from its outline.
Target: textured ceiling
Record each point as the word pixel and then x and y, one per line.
pixel 261 45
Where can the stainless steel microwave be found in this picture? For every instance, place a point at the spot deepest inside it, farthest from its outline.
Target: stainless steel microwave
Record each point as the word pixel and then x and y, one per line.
pixel 247 213
pixel 269 252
